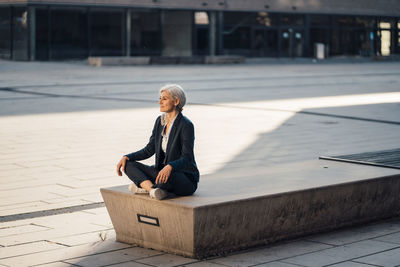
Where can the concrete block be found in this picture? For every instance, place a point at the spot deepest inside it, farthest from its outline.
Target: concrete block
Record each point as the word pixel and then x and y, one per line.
pixel 118 61
pixel 164 60
pixel 224 59
pixel 230 213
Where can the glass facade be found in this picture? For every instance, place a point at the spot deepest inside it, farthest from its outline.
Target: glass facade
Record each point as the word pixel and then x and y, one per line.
pixel 42 32
pixel 201 34
pixel 250 33
pixel 107 32
pixel 5 32
pixel 145 32
pixel 56 32
pixel 20 32
pixel 68 33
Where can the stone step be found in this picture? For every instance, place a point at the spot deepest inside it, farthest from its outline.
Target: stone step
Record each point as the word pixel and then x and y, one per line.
pixel 246 208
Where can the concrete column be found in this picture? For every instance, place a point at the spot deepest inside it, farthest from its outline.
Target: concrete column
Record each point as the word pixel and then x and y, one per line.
pixel 128 33
pixel 32 33
pixel 212 17
pixel 220 18
pixel 176 33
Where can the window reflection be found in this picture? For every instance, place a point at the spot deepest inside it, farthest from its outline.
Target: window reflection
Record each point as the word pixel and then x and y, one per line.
pixel 20 33
pixel 5 32
pixel 106 33
pixel 69 36
pixel 145 33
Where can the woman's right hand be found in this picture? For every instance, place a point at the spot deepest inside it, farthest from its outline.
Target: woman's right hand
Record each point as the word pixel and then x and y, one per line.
pixel 122 164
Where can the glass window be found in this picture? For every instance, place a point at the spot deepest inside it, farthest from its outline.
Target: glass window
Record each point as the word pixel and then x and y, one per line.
pixel 265 43
pixel 106 33
pixel 42 34
pixel 320 20
pixel 145 33
pixel 344 21
pixel 238 18
pixel 344 42
pixel 5 32
pixel 292 20
pixel 266 19
pixel 251 18
pixel 384 25
pixel 69 38
pixel 239 38
pixel 272 43
pixel 318 35
pixel 364 22
pixel 20 33
pixel 201 18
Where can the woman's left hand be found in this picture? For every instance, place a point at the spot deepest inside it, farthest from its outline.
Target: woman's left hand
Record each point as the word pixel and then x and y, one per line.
pixel 164 174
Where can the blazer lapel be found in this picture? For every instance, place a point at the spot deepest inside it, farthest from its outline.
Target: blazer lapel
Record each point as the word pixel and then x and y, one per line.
pixel 172 134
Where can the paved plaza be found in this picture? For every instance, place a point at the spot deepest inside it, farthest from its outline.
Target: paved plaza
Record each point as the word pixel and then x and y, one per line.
pixel 65 125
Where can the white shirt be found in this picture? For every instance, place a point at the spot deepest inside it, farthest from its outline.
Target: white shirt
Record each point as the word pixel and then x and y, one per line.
pixel 165 136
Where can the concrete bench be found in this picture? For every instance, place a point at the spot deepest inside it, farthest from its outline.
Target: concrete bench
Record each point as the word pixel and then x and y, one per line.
pixel 118 61
pixel 245 208
pixel 164 60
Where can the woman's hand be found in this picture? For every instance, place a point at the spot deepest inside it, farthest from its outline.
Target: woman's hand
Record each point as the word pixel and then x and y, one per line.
pixel 122 164
pixel 164 174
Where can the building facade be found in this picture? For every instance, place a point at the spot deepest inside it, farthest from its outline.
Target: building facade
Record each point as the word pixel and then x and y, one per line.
pixel 57 30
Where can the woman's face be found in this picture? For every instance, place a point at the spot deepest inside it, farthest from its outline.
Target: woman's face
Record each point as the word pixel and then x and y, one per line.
pixel 167 104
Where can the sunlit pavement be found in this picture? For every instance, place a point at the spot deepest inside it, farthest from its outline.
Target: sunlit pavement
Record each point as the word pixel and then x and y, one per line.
pixel 64 126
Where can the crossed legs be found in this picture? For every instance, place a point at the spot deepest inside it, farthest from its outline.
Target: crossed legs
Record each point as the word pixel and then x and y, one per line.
pixel 144 177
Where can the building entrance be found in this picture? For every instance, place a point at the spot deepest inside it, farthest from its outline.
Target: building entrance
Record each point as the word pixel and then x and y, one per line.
pixel 292 42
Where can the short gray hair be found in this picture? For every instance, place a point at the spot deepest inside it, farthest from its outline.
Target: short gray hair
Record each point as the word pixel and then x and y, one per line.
pixel 175 91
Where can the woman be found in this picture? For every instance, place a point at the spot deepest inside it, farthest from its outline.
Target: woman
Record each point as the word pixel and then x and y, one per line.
pixel 172 140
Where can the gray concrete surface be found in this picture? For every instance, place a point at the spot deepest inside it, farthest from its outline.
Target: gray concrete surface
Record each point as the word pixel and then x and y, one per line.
pixel 282 202
pixel 65 125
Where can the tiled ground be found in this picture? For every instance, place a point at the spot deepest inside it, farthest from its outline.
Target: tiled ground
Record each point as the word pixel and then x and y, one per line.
pixel 63 127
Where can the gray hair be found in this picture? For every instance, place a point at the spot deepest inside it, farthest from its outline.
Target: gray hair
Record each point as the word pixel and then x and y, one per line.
pixel 176 92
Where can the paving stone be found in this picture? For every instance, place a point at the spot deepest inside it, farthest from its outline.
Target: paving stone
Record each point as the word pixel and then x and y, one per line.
pixel 277 264
pixel 85 238
pixel 21 229
pixel 114 257
pixel 12 251
pixel 272 253
pixel 356 234
pixel 391 238
pixel 351 264
pixel 63 254
pixel 166 260
pixel 55 264
pixel 129 264
pixel 203 264
pixel 341 253
pixel 34 208
pixel 49 234
pixel 386 258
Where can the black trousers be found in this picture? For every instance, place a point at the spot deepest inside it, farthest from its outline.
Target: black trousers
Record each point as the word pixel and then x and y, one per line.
pixel 178 183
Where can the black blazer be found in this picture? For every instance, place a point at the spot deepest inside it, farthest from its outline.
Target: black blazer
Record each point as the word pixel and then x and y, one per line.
pixel 179 148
